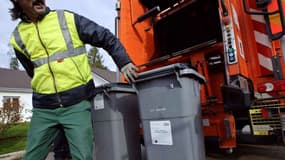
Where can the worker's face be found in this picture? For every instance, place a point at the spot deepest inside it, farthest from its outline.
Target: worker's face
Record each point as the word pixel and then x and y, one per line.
pixel 32 8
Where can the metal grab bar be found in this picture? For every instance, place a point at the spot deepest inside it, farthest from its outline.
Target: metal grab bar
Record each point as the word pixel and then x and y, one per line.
pixel 266 14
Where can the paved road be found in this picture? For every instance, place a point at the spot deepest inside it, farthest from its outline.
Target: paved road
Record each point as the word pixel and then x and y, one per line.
pixel 243 152
pixel 249 152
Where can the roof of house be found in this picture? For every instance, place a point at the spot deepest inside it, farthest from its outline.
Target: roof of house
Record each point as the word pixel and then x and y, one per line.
pixel 19 79
pixel 110 76
pixel 14 79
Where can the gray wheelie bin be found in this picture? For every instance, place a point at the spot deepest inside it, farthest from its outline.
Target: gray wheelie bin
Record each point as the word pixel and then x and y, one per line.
pixel 169 100
pixel 116 123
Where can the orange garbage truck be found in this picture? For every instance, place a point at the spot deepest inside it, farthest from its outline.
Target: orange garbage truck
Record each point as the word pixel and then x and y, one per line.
pixel 236 45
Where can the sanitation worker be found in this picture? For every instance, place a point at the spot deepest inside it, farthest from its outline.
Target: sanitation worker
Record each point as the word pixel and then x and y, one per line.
pixel 50 44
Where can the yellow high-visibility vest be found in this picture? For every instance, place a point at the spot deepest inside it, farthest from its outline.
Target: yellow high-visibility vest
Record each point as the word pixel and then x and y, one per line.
pixel 54 47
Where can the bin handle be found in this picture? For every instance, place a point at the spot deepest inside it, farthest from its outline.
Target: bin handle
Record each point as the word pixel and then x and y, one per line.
pixel 106 93
pixel 104 90
pixel 192 73
pixel 153 76
pixel 189 73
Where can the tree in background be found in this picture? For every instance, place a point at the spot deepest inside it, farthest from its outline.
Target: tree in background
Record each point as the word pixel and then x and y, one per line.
pixel 14 64
pixel 96 59
pixel 10 113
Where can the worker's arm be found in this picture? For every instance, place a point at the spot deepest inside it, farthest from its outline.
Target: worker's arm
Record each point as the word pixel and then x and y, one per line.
pixel 26 63
pixel 96 35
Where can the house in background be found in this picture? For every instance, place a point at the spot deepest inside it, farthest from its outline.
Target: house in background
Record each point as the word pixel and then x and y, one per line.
pixel 101 76
pixel 15 85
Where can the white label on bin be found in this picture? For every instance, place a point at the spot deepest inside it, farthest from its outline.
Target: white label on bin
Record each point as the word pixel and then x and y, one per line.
pixel 99 102
pixel 206 122
pixel 161 132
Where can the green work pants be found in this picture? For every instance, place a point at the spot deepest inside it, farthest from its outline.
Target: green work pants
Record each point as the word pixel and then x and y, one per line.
pixel 77 124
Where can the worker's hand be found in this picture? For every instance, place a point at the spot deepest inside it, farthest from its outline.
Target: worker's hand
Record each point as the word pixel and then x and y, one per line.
pixel 130 72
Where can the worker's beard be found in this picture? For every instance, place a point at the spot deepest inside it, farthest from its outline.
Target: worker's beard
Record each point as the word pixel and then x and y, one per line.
pixel 39 6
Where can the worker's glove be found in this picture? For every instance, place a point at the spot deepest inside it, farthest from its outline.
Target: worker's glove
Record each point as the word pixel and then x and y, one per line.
pixel 130 72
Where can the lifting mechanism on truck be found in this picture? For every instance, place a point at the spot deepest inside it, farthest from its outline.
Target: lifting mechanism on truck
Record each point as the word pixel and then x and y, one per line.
pixel 236 45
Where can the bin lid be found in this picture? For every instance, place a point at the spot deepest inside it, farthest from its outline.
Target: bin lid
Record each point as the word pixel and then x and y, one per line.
pixel 115 87
pixel 181 69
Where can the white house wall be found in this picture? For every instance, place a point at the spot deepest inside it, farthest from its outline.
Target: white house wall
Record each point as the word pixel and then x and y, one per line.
pixel 25 101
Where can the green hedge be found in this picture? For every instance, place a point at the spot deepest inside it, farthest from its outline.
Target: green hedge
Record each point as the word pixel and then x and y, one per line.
pixel 14 139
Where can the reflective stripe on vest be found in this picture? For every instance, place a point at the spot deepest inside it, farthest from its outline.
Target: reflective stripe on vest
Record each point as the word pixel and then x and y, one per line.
pixel 20 42
pixel 70 52
pixel 60 55
pixel 64 29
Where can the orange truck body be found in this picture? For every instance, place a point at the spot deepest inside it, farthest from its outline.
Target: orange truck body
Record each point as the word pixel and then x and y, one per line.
pixel 229 47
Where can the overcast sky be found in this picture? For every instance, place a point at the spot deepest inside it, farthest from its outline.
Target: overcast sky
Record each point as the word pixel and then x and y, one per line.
pixel 101 11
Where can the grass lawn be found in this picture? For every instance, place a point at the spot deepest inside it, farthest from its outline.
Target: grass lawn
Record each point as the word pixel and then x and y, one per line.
pixel 14 139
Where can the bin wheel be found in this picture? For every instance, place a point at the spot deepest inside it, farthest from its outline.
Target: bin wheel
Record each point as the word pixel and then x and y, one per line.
pixel 229 150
